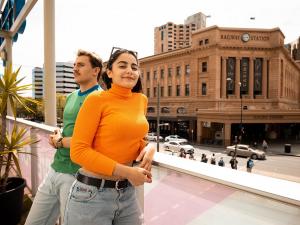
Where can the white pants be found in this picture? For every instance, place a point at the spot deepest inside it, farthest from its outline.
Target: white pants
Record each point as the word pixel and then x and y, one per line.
pixel 50 200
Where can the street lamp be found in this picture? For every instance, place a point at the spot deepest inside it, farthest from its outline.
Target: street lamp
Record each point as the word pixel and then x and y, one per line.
pixel 158 115
pixel 241 121
pixel 158 134
pixel 241 108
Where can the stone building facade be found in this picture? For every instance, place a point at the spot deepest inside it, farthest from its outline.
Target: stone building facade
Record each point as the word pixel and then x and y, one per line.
pixel 228 82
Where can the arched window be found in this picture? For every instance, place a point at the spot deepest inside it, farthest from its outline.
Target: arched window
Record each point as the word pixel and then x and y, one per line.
pixel 181 110
pixel 150 109
pixel 165 110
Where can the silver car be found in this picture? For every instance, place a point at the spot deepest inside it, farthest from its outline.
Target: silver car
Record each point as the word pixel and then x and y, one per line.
pixel 245 150
pixel 174 138
pixel 176 146
pixel 153 137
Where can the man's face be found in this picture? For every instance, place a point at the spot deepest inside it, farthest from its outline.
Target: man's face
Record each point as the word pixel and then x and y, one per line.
pixel 83 71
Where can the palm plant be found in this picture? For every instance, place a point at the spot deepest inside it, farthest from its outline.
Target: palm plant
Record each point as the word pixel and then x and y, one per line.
pixel 13 142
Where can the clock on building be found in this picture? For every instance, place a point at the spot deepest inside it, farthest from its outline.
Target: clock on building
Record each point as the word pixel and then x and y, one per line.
pixel 245 37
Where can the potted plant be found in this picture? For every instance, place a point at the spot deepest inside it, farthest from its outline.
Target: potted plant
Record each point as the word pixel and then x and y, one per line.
pixel 11 144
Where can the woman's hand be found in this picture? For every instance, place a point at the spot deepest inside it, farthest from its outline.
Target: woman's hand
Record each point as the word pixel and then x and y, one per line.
pixel 136 175
pixel 146 156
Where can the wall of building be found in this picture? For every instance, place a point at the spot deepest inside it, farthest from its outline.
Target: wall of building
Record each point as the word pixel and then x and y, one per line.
pixel 64 80
pixel 256 59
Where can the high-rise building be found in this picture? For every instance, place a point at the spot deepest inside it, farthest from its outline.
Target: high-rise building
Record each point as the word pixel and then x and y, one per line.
pixel 172 36
pixel 294 48
pixel 64 80
pixel 199 19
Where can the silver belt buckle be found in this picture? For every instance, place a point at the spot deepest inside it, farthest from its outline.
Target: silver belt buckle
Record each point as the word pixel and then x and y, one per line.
pixel 116 186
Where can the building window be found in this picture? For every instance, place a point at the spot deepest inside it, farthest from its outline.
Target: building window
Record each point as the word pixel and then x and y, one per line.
pixel 178 71
pixel 162 47
pixel 187 70
pixel 161 91
pixel 177 90
pixel 148 92
pixel 162 35
pixel 204 67
pixel 150 109
pixel 154 75
pixel 181 110
pixel 187 90
pixel 154 92
pixel 203 89
pixel 206 41
pixel 162 74
pixel 169 90
pixel 201 42
pixel 169 72
pixel 165 110
pixel 148 75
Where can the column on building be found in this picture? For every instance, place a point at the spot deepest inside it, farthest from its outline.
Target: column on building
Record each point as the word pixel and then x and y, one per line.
pixel 165 80
pixel 237 77
pixel 223 69
pixel 192 130
pixel 151 83
pixel 227 134
pixel 182 79
pixel 251 77
pixel 264 78
pixel 199 130
pixel 174 77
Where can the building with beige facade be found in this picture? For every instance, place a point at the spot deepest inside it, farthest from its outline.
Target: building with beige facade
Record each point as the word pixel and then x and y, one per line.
pixel 227 81
pixel 170 36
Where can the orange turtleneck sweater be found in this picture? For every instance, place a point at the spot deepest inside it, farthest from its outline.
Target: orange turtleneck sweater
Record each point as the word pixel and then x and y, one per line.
pixel 109 128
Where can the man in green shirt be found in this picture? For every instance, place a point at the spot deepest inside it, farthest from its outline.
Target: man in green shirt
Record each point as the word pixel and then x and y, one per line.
pixel 50 200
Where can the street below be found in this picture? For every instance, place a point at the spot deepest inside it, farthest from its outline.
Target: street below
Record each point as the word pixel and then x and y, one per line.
pixel 276 165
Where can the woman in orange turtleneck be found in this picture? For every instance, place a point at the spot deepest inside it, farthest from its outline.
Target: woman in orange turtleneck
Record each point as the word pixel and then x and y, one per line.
pixel 107 139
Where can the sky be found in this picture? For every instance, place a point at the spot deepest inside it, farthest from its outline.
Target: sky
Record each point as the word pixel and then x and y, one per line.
pixel 97 25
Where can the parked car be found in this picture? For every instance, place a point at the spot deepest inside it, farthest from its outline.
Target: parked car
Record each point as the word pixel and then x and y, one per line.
pixel 153 137
pixel 176 146
pixel 245 150
pixel 175 138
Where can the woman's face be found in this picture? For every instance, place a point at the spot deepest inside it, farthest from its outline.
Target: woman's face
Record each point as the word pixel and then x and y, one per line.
pixel 125 71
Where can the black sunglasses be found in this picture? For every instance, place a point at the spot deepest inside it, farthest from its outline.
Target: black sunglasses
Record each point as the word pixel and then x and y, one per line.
pixel 115 49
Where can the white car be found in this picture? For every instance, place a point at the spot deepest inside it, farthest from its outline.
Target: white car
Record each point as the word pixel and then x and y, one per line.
pixel 175 138
pixel 245 150
pixel 177 146
pixel 153 137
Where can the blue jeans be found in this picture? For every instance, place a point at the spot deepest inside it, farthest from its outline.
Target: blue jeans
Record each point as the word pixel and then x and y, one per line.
pixel 88 205
pixel 51 198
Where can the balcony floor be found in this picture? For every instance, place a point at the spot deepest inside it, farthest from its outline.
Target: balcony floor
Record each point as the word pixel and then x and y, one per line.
pixel 180 199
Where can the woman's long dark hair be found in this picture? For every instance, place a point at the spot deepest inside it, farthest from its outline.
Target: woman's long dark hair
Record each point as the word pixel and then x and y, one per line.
pixel 113 57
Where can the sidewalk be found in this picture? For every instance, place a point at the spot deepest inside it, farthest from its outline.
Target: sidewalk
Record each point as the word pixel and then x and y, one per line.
pixel 279 149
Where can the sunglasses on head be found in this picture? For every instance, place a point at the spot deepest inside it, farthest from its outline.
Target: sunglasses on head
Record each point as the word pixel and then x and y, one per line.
pixel 115 49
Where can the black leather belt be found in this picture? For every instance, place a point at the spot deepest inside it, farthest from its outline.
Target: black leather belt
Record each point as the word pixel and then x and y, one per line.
pixel 118 185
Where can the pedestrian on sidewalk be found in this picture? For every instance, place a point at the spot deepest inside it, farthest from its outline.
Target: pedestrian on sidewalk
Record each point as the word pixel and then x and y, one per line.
pixel 221 162
pixel 265 145
pixel 203 158
pixel 213 159
pixel 249 165
pixel 233 162
pixel 182 153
